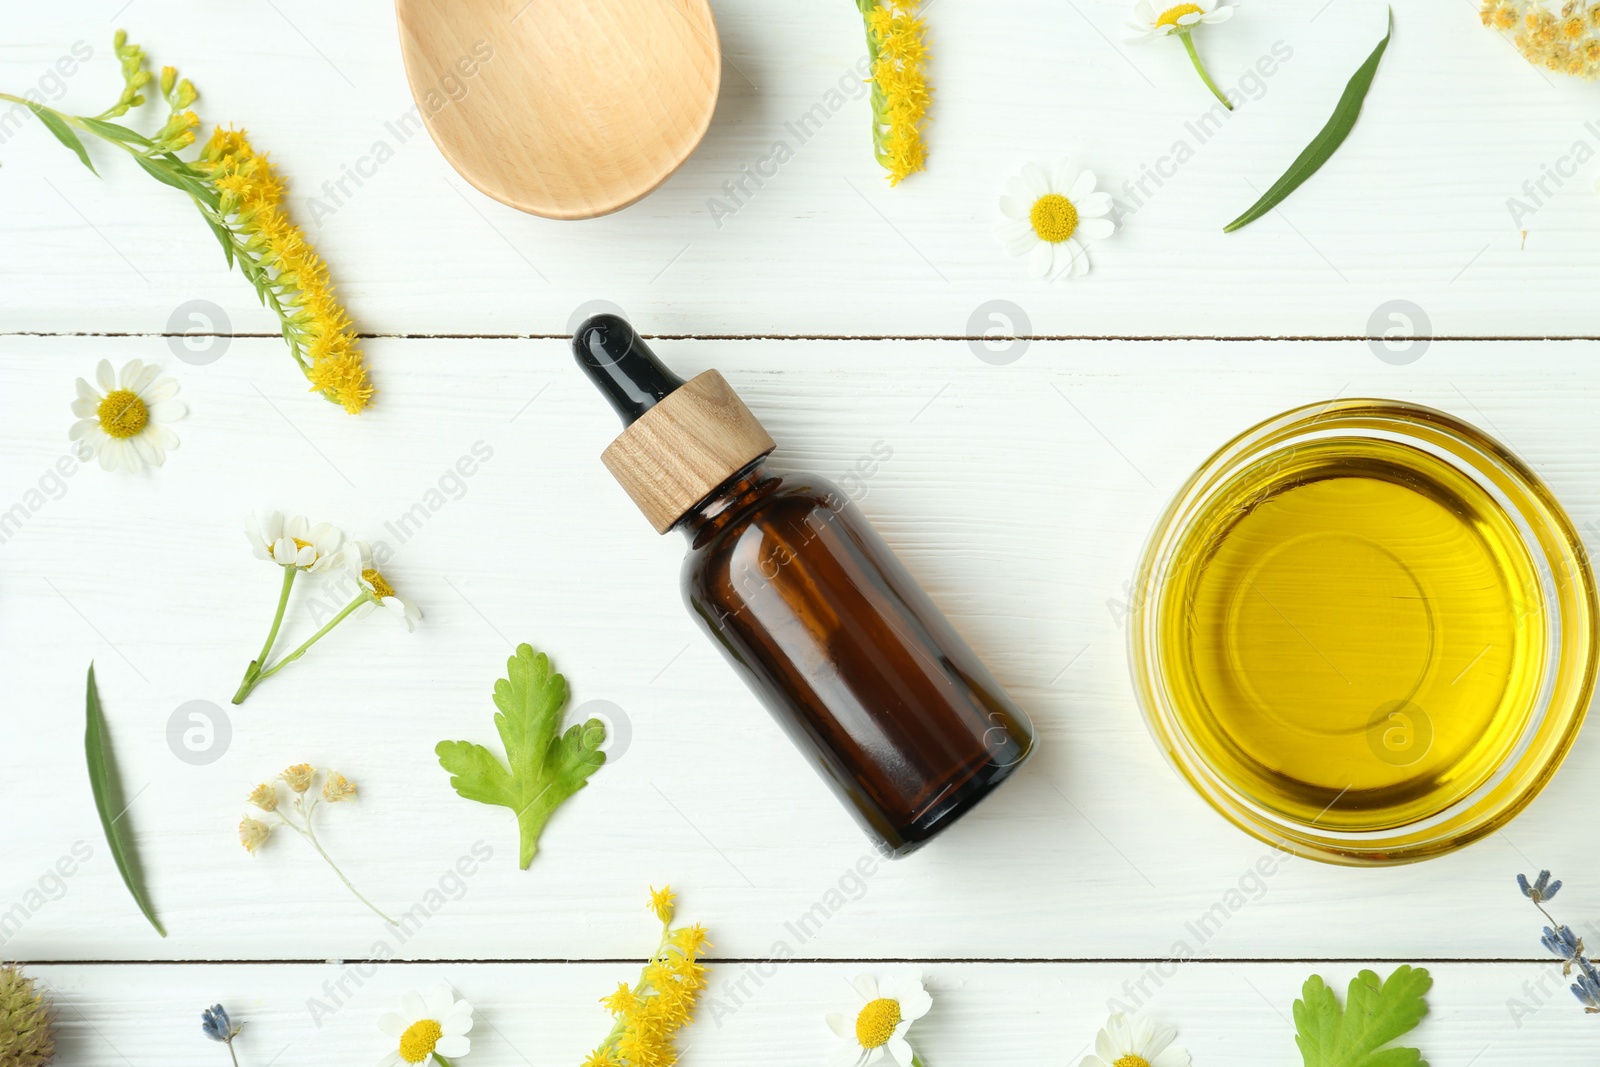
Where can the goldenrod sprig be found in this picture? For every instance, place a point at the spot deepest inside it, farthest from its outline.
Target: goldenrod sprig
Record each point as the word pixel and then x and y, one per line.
pixel 241 199
pixel 900 92
pixel 650 1012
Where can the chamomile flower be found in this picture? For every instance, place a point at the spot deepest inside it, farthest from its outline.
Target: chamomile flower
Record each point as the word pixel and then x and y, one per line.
pixel 427 1030
pixel 361 567
pixel 1050 214
pixel 124 418
pixel 1155 19
pixel 878 1028
pixel 1125 1042
pixel 1152 19
pixel 349 567
pixel 294 541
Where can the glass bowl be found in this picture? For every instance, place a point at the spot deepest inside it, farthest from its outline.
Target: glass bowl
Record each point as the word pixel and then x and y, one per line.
pixel 1304 624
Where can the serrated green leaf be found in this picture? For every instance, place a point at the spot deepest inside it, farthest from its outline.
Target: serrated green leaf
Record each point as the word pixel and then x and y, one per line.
pixel 63 133
pixel 1375 1013
pixel 1327 141
pixel 117 132
pixel 545 766
pixel 102 781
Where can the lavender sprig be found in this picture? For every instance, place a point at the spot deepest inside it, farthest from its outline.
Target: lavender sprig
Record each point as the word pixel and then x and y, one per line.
pixel 1561 941
pixel 216 1025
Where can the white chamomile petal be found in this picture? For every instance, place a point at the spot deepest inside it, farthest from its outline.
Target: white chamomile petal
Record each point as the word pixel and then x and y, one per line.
pixel 1093 205
pixel 1035 181
pixel 840 1026
pixel 440 1000
pixel 900 1051
pixel 1082 186
pixel 453 1045
pixel 1171 1056
pixel 1041 260
pixel 143 379
pixel 392 1024
pixel 1096 229
pixel 1015 208
pixel 168 410
pixel 105 377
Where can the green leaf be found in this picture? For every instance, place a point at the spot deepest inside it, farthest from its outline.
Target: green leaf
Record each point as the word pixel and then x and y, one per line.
pixel 224 238
pixel 58 126
pixel 1326 143
pixel 1374 1014
pixel 546 766
pixel 106 795
pixel 164 174
pixel 113 131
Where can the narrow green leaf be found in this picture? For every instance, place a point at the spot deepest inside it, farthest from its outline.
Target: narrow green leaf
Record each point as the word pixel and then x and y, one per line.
pixel 105 794
pixel 163 174
pixel 115 132
pixel 63 133
pixel 1327 142
pixel 224 238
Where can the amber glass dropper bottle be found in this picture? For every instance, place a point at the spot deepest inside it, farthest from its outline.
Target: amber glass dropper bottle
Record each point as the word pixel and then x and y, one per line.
pixel 808 603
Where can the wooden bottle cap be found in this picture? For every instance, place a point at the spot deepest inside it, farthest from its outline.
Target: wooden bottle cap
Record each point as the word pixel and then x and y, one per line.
pixel 694 439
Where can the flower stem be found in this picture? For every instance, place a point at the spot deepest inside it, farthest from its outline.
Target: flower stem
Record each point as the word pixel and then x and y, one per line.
pixel 310 834
pixel 252 673
pixel 252 680
pixel 1194 56
pixel 234 1055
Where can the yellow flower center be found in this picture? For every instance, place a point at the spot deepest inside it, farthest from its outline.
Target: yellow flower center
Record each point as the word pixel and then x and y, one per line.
pixel 380 588
pixel 122 413
pixel 1054 218
pixel 1170 17
pixel 1132 1061
pixel 418 1040
pixel 875 1025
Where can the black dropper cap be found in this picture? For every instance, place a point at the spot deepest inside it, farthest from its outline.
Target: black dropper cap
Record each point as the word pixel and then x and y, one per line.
pixel 622 366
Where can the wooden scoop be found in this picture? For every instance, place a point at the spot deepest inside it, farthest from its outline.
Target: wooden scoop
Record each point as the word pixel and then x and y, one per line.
pixel 563 108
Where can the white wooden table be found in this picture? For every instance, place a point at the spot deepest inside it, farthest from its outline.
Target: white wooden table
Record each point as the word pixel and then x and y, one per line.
pixel 1019 490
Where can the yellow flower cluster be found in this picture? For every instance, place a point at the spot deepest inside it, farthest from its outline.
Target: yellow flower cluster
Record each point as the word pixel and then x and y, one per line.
pixel 288 274
pixel 650 1013
pixel 1567 41
pixel 900 90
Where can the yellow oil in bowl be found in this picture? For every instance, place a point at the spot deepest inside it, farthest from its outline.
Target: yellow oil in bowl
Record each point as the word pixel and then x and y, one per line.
pixel 1365 632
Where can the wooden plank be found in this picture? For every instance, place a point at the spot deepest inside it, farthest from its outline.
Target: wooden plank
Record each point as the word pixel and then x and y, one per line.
pixel 982 1013
pixel 1018 494
pixel 1462 147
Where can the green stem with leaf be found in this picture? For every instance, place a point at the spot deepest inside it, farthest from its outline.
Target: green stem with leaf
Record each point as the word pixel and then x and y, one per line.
pixel 162 163
pixel 256 674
